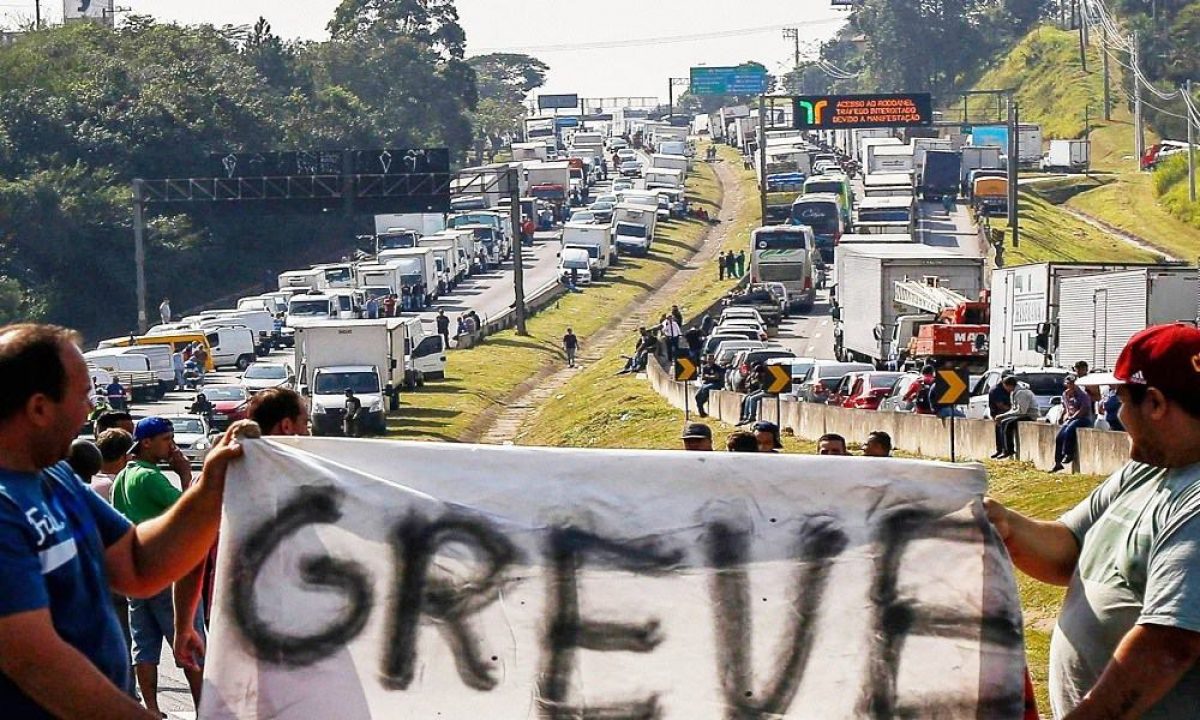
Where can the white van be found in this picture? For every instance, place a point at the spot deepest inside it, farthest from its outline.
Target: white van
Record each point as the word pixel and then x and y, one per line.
pixel 425 354
pixel 231 347
pixel 299 279
pixel 261 322
pixel 577 260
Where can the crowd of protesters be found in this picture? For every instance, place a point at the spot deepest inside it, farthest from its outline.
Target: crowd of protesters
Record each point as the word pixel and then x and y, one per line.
pixel 764 437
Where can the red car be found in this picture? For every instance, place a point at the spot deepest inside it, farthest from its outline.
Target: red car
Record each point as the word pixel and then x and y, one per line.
pixel 868 389
pixel 229 404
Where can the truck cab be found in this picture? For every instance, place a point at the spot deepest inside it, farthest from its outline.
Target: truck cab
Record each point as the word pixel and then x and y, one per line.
pixel 396 239
pixel 327 396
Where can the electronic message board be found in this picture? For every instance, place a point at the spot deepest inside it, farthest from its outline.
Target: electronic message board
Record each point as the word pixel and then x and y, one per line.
pixel 827 112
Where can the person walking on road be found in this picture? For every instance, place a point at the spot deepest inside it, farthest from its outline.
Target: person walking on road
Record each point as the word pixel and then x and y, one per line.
pixel 164 310
pixel 570 345
pixel 389 305
pixel 353 409
pixel 1078 413
pixel 741 263
pixel 1023 408
pixel 677 314
pixel 722 264
pixel 1127 640
pixel 443 327
pixel 142 492
pixel 115 392
pixel 372 308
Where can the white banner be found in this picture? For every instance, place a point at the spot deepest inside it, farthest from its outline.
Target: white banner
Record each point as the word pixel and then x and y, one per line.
pixel 369 579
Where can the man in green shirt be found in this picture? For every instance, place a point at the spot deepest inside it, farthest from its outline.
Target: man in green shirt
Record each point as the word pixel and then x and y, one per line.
pixel 142 492
pixel 1128 635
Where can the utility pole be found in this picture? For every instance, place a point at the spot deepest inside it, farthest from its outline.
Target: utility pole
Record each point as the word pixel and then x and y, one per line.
pixel 37 14
pixel 1107 76
pixel 139 253
pixel 791 33
pixel 1139 130
pixel 1014 146
pixel 762 157
pixel 1083 34
pixel 514 214
pixel 671 82
pixel 1191 135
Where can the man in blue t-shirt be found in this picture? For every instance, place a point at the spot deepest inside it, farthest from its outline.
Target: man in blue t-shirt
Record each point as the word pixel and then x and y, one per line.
pixel 62 548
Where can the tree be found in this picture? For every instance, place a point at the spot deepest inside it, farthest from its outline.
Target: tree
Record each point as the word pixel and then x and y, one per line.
pixel 503 81
pixel 433 23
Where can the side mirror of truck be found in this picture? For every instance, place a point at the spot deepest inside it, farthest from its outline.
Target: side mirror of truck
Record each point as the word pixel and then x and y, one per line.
pixel 878 333
pixel 1042 340
pixel 835 312
pixel 304 391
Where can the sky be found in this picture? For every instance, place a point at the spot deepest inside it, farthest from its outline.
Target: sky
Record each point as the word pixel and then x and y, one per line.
pixel 614 48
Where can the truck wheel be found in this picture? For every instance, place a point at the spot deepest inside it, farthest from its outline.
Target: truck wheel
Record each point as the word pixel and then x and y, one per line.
pixel 244 361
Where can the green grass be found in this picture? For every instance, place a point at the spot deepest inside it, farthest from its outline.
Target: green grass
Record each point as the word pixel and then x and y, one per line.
pixel 479 378
pixel 1171 188
pixel 1129 204
pixel 1050 234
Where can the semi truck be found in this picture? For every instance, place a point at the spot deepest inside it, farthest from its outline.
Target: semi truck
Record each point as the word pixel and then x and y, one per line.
pixel 1097 314
pixel 1025 310
pixel 940 174
pixel 364 356
pixel 865 309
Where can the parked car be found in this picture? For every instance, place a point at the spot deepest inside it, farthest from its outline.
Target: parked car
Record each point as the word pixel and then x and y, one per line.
pixel 799 366
pixel 587 217
pixel 726 351
pixel 739 370
pixel 602 211
pixel 626 154
pixel 1046 383
pixel 622 184
pixel 191 437
pixel 229 404
pixel 264 375
pixel 894 401
pixel 869 389
pixel 631 168
pixel 715 339
pixel 823 375
pixel 742 324
pixel 741 311
pixel 840 390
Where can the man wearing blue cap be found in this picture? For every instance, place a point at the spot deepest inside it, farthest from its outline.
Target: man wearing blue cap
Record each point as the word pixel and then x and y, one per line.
pixel 142 492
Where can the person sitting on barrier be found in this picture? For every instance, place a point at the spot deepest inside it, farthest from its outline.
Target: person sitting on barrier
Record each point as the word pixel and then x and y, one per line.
pixel 636 362
pixel 1023 408
pixel 757 384
pixel 741 441
pixel 767 435
pixel 697 437
pixel 831 444
pixel 712 377
pixel 878 444
pixel 1078 413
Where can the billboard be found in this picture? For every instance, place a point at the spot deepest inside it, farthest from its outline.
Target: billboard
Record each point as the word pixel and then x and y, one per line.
pixel 827 112
pixel 558 102
pixel 95 10
pixel 741 80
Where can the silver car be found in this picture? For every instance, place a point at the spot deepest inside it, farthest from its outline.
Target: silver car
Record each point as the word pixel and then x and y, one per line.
pixel 191 437
pixel 823 376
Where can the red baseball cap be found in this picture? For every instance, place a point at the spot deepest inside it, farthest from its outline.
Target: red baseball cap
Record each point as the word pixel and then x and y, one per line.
pixel 1163 356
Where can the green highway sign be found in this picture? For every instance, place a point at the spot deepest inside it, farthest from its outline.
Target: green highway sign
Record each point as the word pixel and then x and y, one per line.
pixel 741 80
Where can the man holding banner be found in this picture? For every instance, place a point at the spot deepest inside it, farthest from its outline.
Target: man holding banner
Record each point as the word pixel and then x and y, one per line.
pixel 1128 636
pixel 62 548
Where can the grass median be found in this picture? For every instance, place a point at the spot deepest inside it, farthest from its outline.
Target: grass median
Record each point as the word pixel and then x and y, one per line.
pixel 1049 234
pixel 484 376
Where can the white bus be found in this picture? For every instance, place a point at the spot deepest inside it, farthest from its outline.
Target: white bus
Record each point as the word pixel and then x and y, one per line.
pixel 786 254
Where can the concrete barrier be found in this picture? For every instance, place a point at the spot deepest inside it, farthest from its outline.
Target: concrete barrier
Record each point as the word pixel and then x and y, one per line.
pixel 1101 452
pixel 539 300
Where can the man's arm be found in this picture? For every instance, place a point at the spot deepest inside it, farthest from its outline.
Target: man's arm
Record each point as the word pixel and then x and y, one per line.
pixel 188 645
pixel 57 676
pixel 1044 550
pixel 1147 664
pixel 158 552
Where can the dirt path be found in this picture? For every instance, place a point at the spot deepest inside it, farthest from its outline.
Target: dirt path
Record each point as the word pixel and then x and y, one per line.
pixel 504 427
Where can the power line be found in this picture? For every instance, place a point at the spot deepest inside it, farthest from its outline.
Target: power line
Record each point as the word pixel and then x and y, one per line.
pixel 663 40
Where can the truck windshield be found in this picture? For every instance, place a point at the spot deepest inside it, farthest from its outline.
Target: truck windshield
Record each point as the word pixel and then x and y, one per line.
pixel 780 241
pixel 366 383
pixel 821 216
pixel 826 186
pixel 309 308
pixel 593 251
pixel 407 266
pixel 338 275
pixel 396 241
pixel 882 215
pixel 631 230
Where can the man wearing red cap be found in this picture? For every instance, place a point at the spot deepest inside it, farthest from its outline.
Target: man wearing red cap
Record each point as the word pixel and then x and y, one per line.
pixel 1128 636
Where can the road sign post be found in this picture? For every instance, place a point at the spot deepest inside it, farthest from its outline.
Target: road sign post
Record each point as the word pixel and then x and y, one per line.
pixel 685 371
pixel 950 390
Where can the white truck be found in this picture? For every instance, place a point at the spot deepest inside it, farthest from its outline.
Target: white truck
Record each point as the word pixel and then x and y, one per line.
pixel 633 228
pixel 662 178
pixel 529 152
pixel 301 280
pixel 670 162
pixel 889 159
pixel 595 239
pixel 1067 156
pixel 414 265
pixel 1097 314
pixel 396 239
pixel 423 223
pixel 363 356
pixel 865 145
pixel 865 310
pixel 461 243
pixel 335 276
pixel 976 157
pixel 1025 301
pixel 1029 144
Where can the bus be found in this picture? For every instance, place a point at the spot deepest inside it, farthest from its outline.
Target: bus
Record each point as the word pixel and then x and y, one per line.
pixel 823 213
pixel 838 185
pixel 894 211
pixel 786 254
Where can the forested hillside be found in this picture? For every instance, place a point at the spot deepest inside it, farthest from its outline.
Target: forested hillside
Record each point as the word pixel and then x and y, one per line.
pixel 84 109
